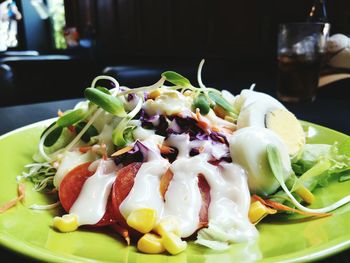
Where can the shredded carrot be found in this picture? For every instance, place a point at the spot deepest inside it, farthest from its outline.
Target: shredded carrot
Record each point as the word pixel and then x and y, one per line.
pixel 123 232
pixel 164 182
pixel 281 207
pixel 13 202
pixel 122 150
pixel 84 149
pixel 59 113
pixel 165 149
pixel 215 129
pixel 201 123
pixel 104 151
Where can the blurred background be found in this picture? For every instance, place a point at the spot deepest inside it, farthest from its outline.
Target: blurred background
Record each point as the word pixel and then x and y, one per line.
pixel 52 49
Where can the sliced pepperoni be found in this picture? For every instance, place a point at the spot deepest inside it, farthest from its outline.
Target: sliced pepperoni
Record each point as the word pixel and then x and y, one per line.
pixel 204 189
pixel 122 187
pixel 71 186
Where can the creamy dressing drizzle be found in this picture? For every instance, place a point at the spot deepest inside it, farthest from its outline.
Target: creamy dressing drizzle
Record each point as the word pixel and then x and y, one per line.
pixel 90 205
pixel 230 198
pixel 230 201
pixel 229 192
pixel 183 198
pixel 145 192
pixel 71 160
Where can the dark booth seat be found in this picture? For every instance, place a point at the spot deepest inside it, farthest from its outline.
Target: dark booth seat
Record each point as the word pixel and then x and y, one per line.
pixel 30 79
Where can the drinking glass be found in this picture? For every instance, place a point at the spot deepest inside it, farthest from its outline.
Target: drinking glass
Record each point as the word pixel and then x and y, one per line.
pixel 300 51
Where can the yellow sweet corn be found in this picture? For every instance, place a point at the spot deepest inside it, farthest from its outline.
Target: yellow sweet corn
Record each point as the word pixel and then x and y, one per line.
pixel 173 243
pixel 66 223
pixel 258 211
pixel 143 219
pixel 150 244
pixel 166 225
pixel 154 94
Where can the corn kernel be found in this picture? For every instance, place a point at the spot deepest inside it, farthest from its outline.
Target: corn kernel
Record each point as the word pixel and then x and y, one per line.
pixel 173 243
pixel 154 94
pixel 143 220
pixel 150 244
pixel 258 211
pixel 66 223
pixel 166 225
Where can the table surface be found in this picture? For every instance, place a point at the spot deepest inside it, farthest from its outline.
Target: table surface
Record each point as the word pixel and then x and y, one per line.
pixel 330 112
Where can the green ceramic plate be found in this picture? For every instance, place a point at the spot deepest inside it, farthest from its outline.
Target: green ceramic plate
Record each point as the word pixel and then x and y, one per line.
pixel 282 238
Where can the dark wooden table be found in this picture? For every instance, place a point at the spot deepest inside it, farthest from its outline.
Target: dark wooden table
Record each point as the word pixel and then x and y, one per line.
pixel 326 110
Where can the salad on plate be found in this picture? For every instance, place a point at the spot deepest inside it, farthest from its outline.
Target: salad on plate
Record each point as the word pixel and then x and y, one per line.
pixel 168 163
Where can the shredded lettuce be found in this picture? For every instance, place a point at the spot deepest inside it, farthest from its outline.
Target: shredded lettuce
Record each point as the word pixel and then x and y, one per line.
pixel 275 162
pixel 318 162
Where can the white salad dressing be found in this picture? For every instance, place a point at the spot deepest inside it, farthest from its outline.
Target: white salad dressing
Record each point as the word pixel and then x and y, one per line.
pixel 149 139
pixel 145 191
pixel 91 203
pixel 183 198
pixel 230 201
pixel 184 145
pixel 168 103
pixel 71 160
pixel 181 142
pixel 214 120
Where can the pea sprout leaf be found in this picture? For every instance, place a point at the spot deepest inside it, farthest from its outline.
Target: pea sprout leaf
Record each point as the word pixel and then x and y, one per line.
pixel 71 117
pixel 107 102
pixel 176 78
pixel 53 136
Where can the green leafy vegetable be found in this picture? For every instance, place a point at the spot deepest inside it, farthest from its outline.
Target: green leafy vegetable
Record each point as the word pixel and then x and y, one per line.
pixel 176 78
pixel 276 167
pixel 107 102
pixel 201 102
pixel 90 132
pixel 320 161
pixel 41 174
pixel 71 117
pixel 275 162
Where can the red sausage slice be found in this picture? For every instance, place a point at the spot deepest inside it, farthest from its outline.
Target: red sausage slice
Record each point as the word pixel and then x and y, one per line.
pixel 204 189
pixel 121 188
pixel 70 189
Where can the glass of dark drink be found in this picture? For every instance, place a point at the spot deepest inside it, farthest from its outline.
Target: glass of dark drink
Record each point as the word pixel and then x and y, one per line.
pixel 300 51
